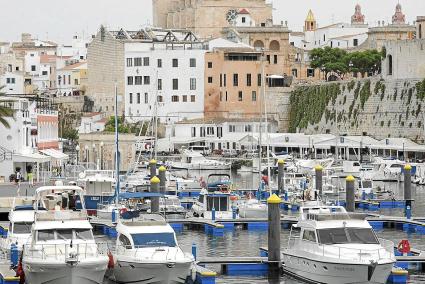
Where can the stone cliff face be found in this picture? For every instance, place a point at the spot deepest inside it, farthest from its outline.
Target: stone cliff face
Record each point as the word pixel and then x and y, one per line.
pixel 371 107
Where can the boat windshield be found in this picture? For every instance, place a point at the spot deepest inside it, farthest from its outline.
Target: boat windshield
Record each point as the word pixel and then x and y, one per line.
pixel 83 234
pixel 154 240
pixel 219 203
pixel 22 228
pixel 65 234
pixel 347 236
pixel 367 184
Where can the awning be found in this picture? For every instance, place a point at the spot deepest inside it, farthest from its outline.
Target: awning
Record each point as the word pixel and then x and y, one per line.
pixel 30 158
pixel 55 154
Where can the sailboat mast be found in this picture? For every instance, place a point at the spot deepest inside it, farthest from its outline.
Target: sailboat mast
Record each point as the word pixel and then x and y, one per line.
pixel 117 155
pixel 261 123
pixel 156 118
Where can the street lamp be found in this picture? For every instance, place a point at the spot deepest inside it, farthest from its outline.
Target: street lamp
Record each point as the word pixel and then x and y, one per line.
pixel 101 155
pixel 87 153
pixel 77 148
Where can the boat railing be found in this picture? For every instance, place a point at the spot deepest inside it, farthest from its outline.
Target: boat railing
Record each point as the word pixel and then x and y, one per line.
pixel 65 251
pixel 346 253
pixel 334 216
pixel 60 215
pixel 104 173
pixel 136 251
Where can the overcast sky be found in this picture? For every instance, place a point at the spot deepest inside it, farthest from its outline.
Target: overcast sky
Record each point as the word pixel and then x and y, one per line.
pixel 60 20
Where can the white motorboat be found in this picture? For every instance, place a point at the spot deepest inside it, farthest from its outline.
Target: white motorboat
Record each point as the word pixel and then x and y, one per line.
pixel 99 187
pixel 385 170
pixel 21 218
pixel 147 252
pixel 191 160
pixel 328 245
pixel 252 208
pixel 217 200
pixel 62 249
pixel 171 206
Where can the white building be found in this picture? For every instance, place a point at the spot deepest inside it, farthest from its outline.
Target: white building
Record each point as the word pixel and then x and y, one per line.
pixel 164 74
pixel 32 138
pixel 338 35
pixel 68 79
pixel 76 50
pixel 12 83
pixel 92 122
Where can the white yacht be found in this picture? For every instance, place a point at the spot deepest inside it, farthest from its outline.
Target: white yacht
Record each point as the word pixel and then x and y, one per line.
pixel 147 252
pixel 328 245
pixel 98 186
pixel 170 206
pixel 219 200
pixel 191 160
pixel 62 249
pixel 252 208
pixel 385 170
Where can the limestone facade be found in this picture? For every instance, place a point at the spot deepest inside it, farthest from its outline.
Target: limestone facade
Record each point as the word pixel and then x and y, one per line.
pixel 420 27
pixel 207 18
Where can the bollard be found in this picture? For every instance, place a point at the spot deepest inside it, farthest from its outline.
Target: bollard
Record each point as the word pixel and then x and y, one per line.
pixel 408 186
pixel 213 214
pixel 349 194
pixel 286 195
pixel 162 179
pixel 363 195
pixel 319 179
pixel 408 212
pixel 194 250
pixel 14 254
pixel 114 216
pixel 152 167
pixel 273 203
pixel 234 212
pixel 280 185
pixel 155 199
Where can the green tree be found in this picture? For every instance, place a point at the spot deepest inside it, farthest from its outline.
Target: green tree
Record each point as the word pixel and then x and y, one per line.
pixel 122 127
pixel 329 60
pixel 365 62
pixel 70 134
pixel 5 111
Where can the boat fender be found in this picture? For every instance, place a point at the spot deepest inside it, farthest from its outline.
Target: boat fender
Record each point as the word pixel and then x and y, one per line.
pixel 403 246
pixel 20 272
pixel 111 262
pixel 123 210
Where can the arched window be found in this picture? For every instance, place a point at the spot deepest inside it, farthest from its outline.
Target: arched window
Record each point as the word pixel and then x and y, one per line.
pixel 390 64
pixel 258 44
pixel 274 45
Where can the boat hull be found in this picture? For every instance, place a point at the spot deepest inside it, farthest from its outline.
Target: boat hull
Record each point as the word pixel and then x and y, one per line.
pixel 85 272
pixel 92 201
pixel 313 271
pixel 150 273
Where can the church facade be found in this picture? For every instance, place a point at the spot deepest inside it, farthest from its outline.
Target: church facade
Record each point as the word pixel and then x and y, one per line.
pixel 207 18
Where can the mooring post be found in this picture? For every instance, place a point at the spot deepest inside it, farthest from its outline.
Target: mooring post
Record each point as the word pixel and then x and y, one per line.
pixel 114 216
pixel 14 254
pixel 234 212
pixel 152 168
pixel 349 193
pixel 155 199
pixel 273 203
pixel 194 250
pixel 319 180
pixel 280 173
pixel 162 179
pixel 408 187
pixel 213 214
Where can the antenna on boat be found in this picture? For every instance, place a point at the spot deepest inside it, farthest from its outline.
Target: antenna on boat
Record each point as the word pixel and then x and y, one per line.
pixel 117 154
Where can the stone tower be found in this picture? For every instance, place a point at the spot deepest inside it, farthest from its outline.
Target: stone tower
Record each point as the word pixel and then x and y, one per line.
pixel 310 22
pixel 399 18
pixel 159 11
pixel 358 17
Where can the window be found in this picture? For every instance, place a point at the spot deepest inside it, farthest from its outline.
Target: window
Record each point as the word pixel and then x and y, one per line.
pixel 275 59
pixel 235 80
pixel 219 131
pixel 175 99
pixel 240 96
pixel 232 128
pixel 146 80
pixel 310 72
pixel 184 98
pixel 69 79
pixel 22 228
pixel 192 84
pixel 45 235
pixel 193 132
pixel 248 80
pixel 145 61
pixel 259 80
pixel 221 80
pixel 390 65
pixel 355 42
pixel 192 62
pixel 138 80
pixel 175 62
pixel 268 58
pixel 129 62
pixel 130 98
pixel 130 80
pixel 309 235
pixel 159 63
pixel 224 80
pixel 9 67
pixel 254 96
pixel 159 84
pixel 210 65
pixel 44 73
pixel 146 98
pixel 138 98
pixel 210 80
pixel 137 61
pixel 295 73
pixel 83 234
pixel 192 98
pixel 33 68
pixel 154 240
pixel 175 84
pixel 7 80
pixel 210 130
pixel 124 241
pixel 243 19
pixel 201 134
pixel 248 128
pixel 159 99
pixel 347 235
pixel 17 68
pixel 75 81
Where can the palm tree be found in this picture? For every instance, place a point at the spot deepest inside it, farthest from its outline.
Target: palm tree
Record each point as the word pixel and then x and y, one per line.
pixel 5 111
